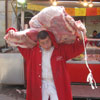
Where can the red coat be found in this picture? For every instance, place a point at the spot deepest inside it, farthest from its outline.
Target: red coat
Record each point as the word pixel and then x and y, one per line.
pixel 61 53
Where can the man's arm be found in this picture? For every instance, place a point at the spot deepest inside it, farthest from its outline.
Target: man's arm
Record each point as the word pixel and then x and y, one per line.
pixel 26 52
pixel 73 50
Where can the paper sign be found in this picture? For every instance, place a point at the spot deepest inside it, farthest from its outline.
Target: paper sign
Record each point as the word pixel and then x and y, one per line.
pixel 35 7
pixel 91 11
pixel 80 11
pixel 70 11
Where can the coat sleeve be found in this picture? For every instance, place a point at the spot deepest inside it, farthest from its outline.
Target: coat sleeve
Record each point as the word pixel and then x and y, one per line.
pixel 73 50
pixel 26 52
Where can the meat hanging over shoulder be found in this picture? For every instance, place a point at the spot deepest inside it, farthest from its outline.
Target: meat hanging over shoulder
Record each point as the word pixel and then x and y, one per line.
pixel 59 22
pixel 54 19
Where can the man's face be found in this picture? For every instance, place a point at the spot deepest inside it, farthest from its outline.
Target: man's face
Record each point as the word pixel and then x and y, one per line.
pixel 95 33
pixel 45 43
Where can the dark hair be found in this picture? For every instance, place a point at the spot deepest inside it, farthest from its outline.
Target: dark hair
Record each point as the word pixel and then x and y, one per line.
pixel 42 35
pixel 94 31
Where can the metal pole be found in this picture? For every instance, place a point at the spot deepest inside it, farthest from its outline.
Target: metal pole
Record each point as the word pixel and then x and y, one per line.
pixel 22 17
pixel 6 14
pixel 16 14
pixel 6 17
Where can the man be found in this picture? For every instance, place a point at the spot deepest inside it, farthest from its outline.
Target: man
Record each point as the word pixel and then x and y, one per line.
pixel 47 73
pixel 94 33
pixel 98 42
pixel 97 36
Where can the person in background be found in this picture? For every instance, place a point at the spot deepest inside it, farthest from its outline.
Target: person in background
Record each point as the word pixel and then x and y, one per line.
pixel 98 42
pixel 98 36
pixel 94 34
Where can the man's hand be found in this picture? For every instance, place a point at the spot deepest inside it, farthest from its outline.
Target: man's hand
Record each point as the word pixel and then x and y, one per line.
pixel 80 35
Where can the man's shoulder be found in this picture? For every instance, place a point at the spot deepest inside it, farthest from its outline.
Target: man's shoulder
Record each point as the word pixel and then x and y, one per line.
pixel 62 46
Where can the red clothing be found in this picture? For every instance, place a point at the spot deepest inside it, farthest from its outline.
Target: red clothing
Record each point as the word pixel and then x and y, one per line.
pixel 61 53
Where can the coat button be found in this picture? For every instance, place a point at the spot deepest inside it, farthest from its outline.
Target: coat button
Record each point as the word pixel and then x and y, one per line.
pixel 39 76
pixel 40 87
pixel 39 64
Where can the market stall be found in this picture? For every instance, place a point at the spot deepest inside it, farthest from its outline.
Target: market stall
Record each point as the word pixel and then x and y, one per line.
pixel 78 71
pixel 77 67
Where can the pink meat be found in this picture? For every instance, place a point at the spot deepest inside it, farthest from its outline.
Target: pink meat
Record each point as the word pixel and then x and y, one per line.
pixel 32 34
pixel 25 39
pixel 56 20
pixel 53 19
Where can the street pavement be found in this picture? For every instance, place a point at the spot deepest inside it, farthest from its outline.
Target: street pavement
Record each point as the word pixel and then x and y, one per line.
pixel 6 97
pixel 10 92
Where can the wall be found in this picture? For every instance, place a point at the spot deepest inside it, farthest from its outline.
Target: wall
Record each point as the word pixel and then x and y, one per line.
pixel 92 23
